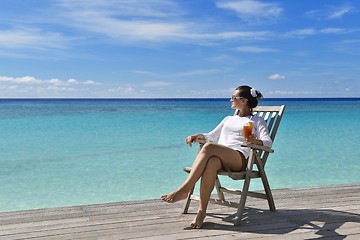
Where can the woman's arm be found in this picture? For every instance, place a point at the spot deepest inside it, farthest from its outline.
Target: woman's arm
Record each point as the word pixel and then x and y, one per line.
pixel 261 136
pixel 193 138
pixel 209 137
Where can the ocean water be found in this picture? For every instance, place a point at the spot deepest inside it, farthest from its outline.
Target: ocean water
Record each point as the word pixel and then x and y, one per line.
pixel 64 152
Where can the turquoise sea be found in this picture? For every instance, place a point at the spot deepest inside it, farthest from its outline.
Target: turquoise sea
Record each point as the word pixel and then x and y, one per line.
pixel 63 152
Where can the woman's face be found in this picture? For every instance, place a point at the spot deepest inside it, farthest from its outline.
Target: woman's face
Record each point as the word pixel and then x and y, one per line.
pixel 236 101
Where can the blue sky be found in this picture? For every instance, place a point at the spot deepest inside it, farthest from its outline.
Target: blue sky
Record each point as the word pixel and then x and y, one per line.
pixel 183 48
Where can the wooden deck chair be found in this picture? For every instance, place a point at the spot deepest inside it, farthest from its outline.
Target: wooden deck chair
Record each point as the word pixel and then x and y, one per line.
pixel 258 155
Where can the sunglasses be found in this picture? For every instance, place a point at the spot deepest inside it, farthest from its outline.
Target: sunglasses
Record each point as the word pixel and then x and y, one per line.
pixel 233 97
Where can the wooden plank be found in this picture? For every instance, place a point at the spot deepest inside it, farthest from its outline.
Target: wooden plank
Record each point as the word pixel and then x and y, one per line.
pixel 302 213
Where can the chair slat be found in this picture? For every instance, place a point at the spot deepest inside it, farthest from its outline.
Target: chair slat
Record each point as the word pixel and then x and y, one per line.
pixel 271 122
pixel 266 117
pixel 277 123
pixel 268 108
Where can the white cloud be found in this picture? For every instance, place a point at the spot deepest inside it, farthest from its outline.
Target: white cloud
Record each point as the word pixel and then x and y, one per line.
pixel 123 90
pixel 212 92
pixel 129 21
pixel 290 93
pixel 20 80
pixel 301 32
pixel 72 81
pixel 6 79
pixel 12 87
pixel 153 21
pixel 277 76
pixel 127 8
pixel 330 13
pixel 228 35
pixel 281 92
pixel 32 38
pixel 255 49
pixel 157 84
pixel 33 80
pixel 56 82
pixel 90 82
pixel 332 30
pixel 340 12
pixel 252 11
pixel 27 80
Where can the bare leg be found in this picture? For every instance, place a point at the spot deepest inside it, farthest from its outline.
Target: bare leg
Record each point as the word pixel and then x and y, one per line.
pixel 206 187
pixel 230 160
pixel 195 174
pixel 208 178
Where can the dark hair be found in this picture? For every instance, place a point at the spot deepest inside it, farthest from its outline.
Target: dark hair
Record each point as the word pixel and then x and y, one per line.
pixel 248 92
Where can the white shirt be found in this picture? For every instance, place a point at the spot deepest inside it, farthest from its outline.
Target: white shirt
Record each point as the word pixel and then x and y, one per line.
pixel 230 132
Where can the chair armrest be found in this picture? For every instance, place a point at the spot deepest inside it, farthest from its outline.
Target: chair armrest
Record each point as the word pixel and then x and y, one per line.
pixel 258 147
pixel 250 145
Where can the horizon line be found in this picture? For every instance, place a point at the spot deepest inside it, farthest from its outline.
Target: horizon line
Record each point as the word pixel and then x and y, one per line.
pixel 158 98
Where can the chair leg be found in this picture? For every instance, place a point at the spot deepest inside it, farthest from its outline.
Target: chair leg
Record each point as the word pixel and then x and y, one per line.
pixel 266 185
pixel 218 189
pixel 269 195
pixel 188 201
pixel 241 208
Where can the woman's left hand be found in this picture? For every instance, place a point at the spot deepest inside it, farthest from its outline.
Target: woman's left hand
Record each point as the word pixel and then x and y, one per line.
pixel 252 139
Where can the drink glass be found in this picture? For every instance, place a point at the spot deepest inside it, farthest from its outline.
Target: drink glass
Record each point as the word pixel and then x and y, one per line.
pixel 247 130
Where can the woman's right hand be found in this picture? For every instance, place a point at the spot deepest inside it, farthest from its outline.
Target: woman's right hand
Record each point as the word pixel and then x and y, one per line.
pixel 192 138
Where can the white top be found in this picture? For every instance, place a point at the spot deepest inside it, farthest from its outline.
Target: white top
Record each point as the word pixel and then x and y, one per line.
pixel 230 132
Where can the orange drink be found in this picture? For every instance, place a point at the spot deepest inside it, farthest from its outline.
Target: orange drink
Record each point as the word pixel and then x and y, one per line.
pixel 247 130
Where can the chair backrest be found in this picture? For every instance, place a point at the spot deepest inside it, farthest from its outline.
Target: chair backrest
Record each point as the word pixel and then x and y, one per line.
pixel 272 116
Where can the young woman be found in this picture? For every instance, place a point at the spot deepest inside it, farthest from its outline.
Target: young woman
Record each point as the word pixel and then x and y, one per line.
pixel 227 154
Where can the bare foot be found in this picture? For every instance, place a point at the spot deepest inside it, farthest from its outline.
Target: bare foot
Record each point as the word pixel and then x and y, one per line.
pixel 174 196
pixel 198 220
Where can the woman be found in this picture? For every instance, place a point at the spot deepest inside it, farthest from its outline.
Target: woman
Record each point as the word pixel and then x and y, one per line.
pixel 227 154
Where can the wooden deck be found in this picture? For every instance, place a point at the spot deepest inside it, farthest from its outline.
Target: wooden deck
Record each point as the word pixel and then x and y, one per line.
pixel 331 212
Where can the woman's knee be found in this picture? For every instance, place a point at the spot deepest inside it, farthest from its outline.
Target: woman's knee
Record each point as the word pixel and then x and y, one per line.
pixel 208 148
pixel 213 164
